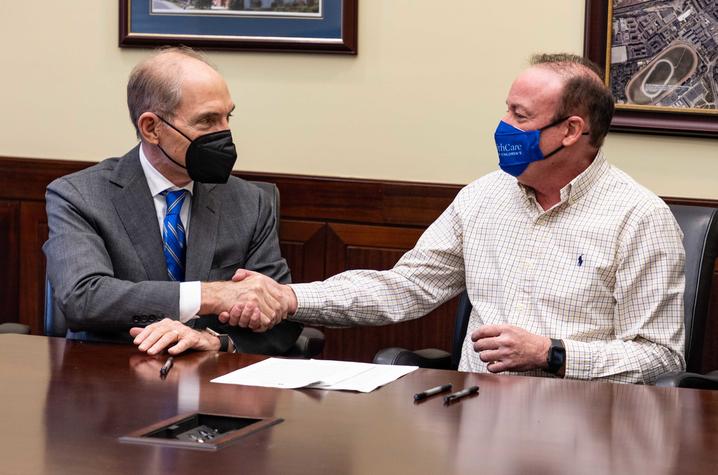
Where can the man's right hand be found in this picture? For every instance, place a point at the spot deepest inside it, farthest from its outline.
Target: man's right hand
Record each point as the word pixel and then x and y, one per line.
pixel 245 313
pixel 260 306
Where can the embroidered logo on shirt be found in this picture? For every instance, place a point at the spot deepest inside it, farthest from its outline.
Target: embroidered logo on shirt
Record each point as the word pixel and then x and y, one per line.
pixel 580 260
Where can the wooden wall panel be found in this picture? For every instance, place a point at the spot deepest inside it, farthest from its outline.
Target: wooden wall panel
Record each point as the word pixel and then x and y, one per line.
pixel 328 225
pixel 352 246
pixel 303 244
pixel 344 200
pixel 33 225
pixel 9 260
pixel 26 179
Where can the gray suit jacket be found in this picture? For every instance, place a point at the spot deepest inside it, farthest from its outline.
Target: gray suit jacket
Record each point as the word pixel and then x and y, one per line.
pixel 105 260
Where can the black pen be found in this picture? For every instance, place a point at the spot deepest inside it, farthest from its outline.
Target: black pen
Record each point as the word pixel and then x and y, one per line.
pixel 431 392
pixel 458 395
pixel 166 367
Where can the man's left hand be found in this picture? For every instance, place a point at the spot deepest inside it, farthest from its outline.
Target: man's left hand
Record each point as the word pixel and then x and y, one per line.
pixel 172 335
pixel 509 348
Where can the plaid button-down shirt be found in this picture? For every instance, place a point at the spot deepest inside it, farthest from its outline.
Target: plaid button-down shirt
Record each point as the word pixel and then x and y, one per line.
pixel 602 270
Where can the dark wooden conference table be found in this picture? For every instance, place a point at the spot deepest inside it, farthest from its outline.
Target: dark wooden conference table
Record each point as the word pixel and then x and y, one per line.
pixel 64 405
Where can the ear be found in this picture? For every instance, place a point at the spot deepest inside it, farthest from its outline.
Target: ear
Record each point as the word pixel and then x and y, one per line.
pixel 148 123
pixel 576 126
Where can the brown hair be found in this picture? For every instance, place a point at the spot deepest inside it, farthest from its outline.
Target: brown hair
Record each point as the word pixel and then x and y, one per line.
pixel 584 92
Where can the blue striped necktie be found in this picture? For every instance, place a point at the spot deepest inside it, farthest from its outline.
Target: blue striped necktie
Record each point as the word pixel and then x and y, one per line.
pixel 173 235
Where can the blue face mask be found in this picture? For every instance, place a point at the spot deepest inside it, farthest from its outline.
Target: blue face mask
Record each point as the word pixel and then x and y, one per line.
pixel 518 148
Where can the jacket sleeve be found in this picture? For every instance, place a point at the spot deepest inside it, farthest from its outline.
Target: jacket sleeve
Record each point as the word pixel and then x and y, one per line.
pixel 264 255
pixel 81 271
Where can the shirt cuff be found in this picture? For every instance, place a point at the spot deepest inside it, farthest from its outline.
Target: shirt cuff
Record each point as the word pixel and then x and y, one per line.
pixel 578 360
pixel 309 302
pixel 190 300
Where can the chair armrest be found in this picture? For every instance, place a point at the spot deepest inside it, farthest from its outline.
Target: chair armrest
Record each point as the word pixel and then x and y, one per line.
pixel 18 328
pixel 427 358
pixel 309 344
pixel 680 379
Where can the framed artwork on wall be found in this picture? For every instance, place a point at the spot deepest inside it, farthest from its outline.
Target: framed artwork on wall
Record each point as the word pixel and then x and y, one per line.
pixel 661 63
pixel 319 26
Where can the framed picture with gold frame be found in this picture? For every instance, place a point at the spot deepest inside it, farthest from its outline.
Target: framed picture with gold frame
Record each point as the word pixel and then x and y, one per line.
pixel 661 63
pixel 319 26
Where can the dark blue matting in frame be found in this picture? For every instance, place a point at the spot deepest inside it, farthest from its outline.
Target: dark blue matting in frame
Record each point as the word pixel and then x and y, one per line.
pixel 328 26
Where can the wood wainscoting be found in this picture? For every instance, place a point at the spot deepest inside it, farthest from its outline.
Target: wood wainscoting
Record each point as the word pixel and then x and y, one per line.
pixel 327 225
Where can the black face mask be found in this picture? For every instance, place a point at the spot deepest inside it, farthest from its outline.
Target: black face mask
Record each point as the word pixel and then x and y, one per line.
pixel 209 158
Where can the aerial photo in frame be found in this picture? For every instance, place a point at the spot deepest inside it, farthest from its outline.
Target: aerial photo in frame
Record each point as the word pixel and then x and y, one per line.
pixel 301 8
pixel 664 54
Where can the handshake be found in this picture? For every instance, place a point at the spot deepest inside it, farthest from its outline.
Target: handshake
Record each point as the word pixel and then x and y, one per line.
pixel 250 300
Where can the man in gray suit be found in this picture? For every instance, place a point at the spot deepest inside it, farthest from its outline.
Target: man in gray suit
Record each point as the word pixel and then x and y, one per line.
pixel 143 245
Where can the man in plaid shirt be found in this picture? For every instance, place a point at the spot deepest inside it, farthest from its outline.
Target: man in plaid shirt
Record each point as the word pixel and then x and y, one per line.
pixel 573 269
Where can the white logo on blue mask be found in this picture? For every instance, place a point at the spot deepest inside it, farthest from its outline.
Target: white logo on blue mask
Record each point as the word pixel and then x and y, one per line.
pixel 518 148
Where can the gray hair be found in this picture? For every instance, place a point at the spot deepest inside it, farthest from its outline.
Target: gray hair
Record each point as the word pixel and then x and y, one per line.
pixel 155 83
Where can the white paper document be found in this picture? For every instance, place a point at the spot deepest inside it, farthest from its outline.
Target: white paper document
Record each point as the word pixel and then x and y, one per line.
pixel 317 374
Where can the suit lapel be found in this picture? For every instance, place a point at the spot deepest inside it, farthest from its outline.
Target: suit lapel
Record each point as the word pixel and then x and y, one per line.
pixel 135 207
pixel 203 223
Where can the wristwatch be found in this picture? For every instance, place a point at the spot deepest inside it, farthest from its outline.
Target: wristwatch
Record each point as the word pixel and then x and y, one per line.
pixel 224 340
pixel 556 358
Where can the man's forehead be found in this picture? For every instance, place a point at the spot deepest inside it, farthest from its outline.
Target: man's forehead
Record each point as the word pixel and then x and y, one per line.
pixel 203 84
pixel 535 88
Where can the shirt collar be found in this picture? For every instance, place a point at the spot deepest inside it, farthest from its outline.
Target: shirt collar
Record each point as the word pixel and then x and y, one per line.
pixel 156 180
pixel 580 185
pixel 576 188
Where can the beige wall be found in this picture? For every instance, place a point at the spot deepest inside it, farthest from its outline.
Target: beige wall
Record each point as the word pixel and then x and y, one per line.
pixel 420 101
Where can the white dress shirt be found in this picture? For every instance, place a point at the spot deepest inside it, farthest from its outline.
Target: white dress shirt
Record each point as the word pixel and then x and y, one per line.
pixel 190 292
pixel 602 270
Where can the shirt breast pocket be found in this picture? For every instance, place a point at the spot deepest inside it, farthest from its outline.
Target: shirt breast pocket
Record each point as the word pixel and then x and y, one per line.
pixel 578 288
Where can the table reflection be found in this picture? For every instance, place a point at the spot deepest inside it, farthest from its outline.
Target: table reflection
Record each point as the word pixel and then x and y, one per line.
pixel 523 423
pixel 86 393
pixel 97 393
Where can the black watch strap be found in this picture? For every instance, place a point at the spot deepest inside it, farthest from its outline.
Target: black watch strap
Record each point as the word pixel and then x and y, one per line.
pixel 223 339
pixel 556 358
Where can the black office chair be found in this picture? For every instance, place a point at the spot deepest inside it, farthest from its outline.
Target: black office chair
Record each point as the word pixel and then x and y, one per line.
pixel 309 343
pixel 700 239
pixel 433 357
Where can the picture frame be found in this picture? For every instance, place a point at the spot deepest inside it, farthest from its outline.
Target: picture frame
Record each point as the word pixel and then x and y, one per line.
pixel 311 26
pixel 681 105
